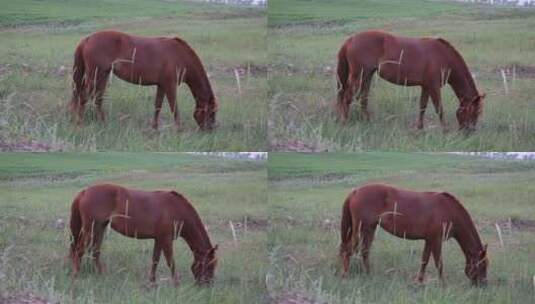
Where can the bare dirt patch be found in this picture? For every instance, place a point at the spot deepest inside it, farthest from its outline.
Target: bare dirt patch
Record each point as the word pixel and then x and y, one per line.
pixel 521 71
pixel 255 70
pixel 523 224
pixel 246 224
pixel 293 298
pixel 25 299
pixel 29 145
pixel 514 223
pixel 294 145
pixel 290 69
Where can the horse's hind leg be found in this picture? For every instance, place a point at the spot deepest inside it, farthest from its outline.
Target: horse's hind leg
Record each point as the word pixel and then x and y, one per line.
pixel 101 82
pixel 366 79
pixel 78 252
pixel 346 95
pixel 157 107
pixel 97 238
pixel 347 250
pixel 368 234
pixel 96 80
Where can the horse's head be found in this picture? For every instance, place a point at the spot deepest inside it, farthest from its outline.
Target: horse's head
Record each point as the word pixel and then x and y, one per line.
pixel 203 268
pixel 476 268
pixel 469 112
pixel 205 114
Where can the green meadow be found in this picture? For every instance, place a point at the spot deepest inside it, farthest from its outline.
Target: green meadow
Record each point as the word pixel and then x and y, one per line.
pixel 304 39
pixel 36 191
pixel 37 42
pixel 305 202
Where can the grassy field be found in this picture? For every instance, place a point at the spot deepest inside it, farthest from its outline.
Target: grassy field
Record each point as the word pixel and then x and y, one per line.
pixel 37 42
pixel 36 191
pixel 305 36
pixel 305 201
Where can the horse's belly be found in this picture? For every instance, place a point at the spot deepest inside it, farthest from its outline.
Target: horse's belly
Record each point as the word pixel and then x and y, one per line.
pixel 137 75
pixel 398 74
pixel 132 229
pixel 398 226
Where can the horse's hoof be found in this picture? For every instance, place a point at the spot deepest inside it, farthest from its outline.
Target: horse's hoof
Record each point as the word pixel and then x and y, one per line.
pixel 418 280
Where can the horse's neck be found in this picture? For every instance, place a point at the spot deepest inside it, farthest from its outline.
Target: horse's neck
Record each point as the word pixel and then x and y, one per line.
pixel 199 84
pixel 195 235
pixel 467 237
pixel 460 79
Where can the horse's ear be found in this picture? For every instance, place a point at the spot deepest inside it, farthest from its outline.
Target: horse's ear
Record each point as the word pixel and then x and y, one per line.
pixel 484 251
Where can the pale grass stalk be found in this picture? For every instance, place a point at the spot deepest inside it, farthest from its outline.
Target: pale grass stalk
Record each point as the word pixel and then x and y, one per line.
pixel 233 230
pixel 237 75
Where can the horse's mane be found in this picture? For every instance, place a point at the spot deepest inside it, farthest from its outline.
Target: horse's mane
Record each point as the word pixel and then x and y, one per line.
pixel 459 206
pixel 455 201
pixel 183 43
pixel 459 59
pixel 194 216
pixel 197 60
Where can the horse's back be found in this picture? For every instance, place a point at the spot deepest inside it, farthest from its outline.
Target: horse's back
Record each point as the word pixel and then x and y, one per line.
pixel 386 198
pixel 99 201
pixel 402 212
pixel 365 48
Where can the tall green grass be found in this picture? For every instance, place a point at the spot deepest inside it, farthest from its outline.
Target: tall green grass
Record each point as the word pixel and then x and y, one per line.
pixel 302 86
pixel 35 78
pixel 305 202
pixel 35 199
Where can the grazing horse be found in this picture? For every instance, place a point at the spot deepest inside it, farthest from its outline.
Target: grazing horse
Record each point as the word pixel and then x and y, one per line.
pixel 163 62
pixel 431 216
pixel 428 63
pixel 159 215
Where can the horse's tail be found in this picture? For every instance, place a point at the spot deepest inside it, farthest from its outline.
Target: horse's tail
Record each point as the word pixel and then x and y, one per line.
pixel 342 75
pixel 78 72
pixel 346 225
pixel 76 223
pixel 346 234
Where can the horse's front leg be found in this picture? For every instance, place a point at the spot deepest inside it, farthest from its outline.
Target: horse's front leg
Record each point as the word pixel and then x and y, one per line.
pixel 171 99
pixel 425 259
pixel 424 98
pixel 437 256
pixel 437 103
pixel 156 253
pixel 157 107
pixel 168 253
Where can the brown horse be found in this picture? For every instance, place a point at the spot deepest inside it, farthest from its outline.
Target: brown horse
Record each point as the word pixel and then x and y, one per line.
pixel 431 216
pixel 428 63
pixel 159 61
pixel 158 215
